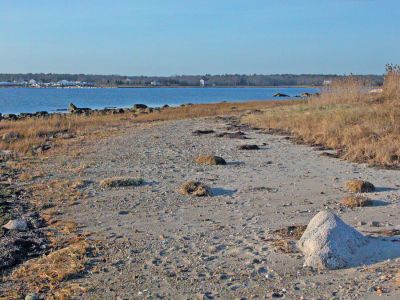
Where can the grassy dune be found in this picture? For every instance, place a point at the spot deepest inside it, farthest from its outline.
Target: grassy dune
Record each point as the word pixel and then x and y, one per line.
pixel 364 127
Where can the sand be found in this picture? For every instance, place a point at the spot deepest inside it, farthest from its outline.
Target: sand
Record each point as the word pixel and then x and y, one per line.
pixel 158 243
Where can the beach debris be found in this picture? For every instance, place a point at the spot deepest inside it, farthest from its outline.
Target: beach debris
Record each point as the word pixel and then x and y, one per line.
pixel 293 231
pixel 210 160
pixel 286 238
pixel 356 201
pixel 17 224
pixel 194 188
pixel 329 243
pixel 233 135
pixel 121 182
pixel 359 186
pixel 248 147
pixel 200 132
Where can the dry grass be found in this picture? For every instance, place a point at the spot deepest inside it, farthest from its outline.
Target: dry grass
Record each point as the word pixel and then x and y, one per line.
pixel 359 186
pixel 121 182
pixel 391 85
pixel 363 127
pixel 79 184
pixel 56 192
pixel 194 188
pixel 25 176
pixel 24 135
pixel 351 89
pixel 46 274
pixel 384 232
pixel 356 201
pixel 292 232
pixel 210 160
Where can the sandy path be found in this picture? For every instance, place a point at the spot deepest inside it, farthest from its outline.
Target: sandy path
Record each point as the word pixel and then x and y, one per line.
pixel 161 244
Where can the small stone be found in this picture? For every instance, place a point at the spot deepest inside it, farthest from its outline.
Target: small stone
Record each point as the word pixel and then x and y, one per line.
pixel 32 296
pixel 277 294
pixel 361 223
pixel 17 224
pixel 374 224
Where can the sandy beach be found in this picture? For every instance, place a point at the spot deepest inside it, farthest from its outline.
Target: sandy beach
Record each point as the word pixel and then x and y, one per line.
pixel 156 243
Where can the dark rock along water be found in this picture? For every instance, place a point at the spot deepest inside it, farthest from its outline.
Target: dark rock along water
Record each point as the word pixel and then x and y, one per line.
pixel 18 100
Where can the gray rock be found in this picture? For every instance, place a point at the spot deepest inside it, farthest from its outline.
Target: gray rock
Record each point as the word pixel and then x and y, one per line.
pixel 329 243
pixel 17 224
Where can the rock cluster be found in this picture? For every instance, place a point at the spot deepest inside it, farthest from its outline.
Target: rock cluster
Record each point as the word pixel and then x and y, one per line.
pixel 73 109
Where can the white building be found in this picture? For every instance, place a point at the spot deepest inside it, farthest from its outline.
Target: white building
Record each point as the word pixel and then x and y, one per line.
pixel 327 82
pixel 68 83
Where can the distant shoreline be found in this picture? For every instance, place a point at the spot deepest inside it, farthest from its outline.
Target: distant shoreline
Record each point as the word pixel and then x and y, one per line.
pixel 169 87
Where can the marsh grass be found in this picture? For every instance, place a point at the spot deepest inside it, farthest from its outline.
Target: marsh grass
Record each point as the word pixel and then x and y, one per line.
pixel 364 127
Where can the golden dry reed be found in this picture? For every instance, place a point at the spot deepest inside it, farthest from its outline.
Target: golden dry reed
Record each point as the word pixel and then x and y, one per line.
pixel 363 126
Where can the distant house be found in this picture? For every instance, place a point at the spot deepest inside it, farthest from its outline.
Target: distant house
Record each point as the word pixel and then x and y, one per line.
pixel 155 83
pixel 327 82
pixel 66 83
pixel 203 82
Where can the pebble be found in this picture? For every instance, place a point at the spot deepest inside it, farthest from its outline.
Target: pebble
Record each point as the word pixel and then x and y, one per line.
pixel 32 296
pixel 374 224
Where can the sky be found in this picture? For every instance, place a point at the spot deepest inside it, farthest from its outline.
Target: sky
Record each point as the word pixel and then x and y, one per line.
pixel 169 37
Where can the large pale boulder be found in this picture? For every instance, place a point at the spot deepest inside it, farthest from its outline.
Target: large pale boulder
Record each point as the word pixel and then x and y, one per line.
pixel 329 243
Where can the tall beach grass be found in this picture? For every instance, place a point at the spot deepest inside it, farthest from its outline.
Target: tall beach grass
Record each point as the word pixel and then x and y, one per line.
pixel 363 126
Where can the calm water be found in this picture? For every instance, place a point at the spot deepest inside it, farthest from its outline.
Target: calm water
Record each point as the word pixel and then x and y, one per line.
pixel 17 100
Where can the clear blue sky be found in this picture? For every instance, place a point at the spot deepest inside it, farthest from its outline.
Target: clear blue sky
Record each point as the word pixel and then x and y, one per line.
pixel 166 37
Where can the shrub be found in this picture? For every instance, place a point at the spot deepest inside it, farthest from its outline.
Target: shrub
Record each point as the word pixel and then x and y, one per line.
pixel 120 182
pixel 355 201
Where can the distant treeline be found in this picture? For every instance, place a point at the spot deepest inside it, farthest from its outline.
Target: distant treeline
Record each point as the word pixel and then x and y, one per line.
pixel 189 80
